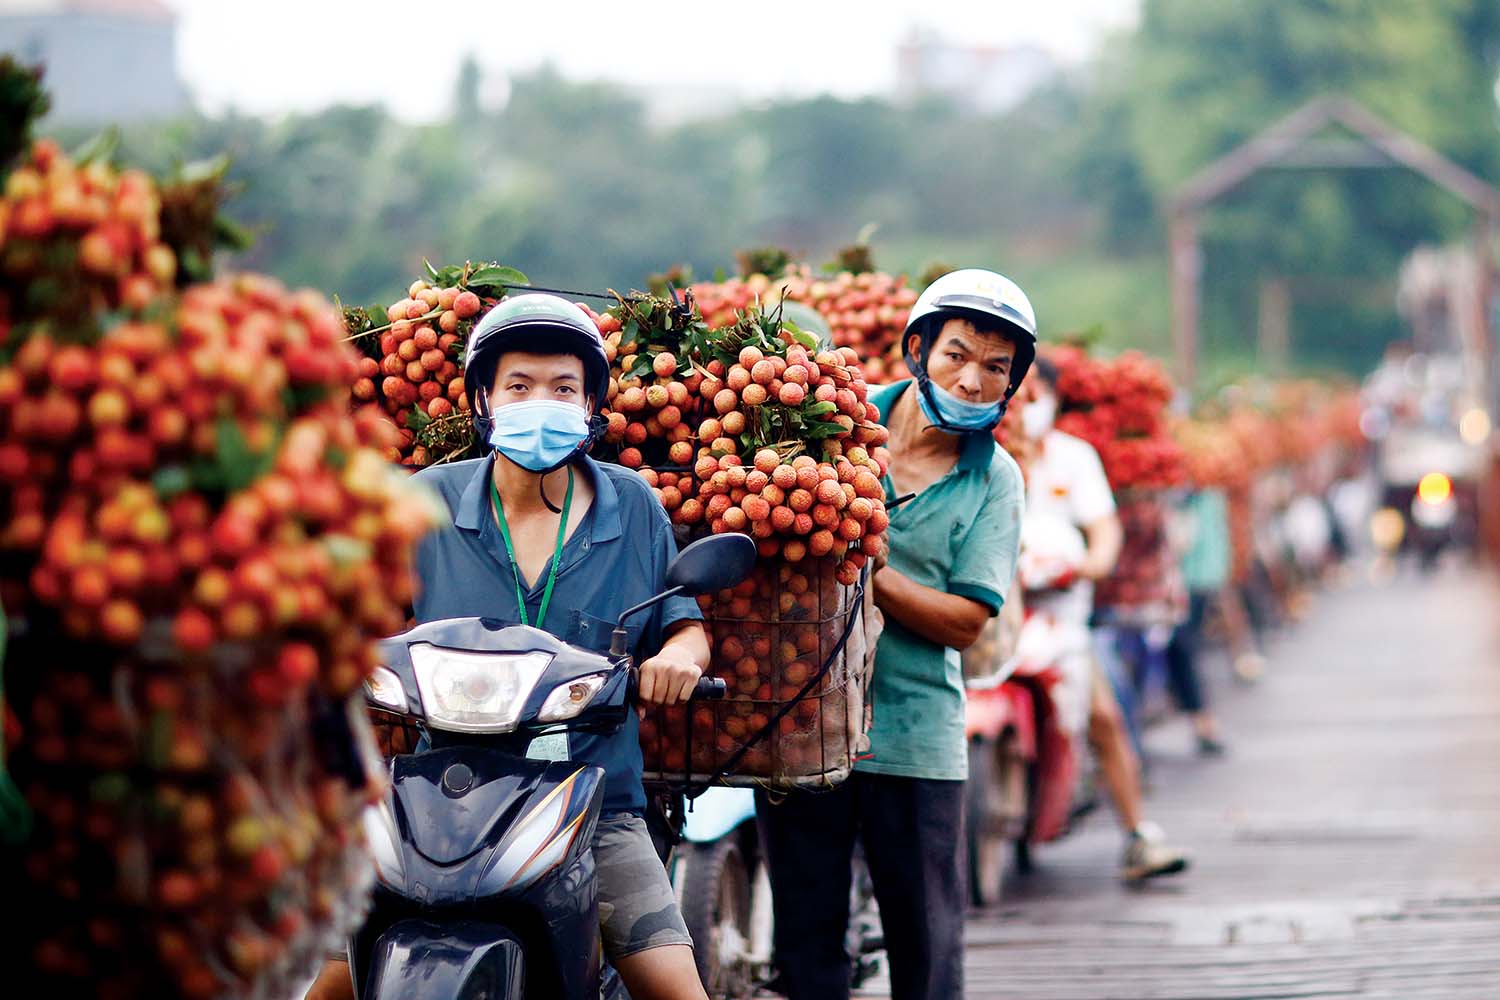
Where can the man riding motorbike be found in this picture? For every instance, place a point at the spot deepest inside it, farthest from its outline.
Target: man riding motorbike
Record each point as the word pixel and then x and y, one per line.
pixel 1066 483
pixel 970 339
pixel 536 377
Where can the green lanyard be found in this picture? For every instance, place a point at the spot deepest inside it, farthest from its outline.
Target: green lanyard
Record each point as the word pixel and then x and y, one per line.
pixel 510 550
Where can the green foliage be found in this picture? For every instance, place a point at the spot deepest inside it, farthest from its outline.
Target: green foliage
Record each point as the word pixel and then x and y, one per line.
pixel 1202 76
pixel 192 221
pixel 22 101
pixel 763 260
pixel 1065 192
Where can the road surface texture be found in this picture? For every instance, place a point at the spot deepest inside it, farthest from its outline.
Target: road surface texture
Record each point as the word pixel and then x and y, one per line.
pixel 1348 845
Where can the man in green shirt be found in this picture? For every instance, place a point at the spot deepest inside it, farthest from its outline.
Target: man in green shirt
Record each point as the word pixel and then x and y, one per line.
pixel 1203 518
pixel 970 339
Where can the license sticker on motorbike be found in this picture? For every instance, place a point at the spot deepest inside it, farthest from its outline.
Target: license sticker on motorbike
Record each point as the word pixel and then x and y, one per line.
pixel 553 746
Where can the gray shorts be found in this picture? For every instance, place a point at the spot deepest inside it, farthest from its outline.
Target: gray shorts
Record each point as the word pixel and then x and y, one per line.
pixel 637 908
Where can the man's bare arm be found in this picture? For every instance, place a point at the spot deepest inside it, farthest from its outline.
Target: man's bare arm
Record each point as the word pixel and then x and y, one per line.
pixel 1105 536
pixel 935 615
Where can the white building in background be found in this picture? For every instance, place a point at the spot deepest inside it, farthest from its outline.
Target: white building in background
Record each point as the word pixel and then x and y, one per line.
pixel 984 78
pixel 105 60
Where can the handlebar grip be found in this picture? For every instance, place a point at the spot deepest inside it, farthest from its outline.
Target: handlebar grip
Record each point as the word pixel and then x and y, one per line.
pixel 709 687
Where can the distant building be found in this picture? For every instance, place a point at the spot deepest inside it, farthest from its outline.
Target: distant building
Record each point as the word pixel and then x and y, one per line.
pixel 983 78
pixel 105 60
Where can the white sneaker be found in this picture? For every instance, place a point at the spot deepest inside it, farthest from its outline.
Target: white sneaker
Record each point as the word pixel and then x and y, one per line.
pixel 1249 667
pixel 1146 856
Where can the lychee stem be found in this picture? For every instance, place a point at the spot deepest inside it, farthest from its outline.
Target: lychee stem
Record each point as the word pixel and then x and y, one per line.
pixel 437 311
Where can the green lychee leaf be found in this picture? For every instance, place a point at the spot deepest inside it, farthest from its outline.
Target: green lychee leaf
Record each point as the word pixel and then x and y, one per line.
pixel 416 420
pixel 818 409
pixel 231 235
pixel 158 743
pixel 346 550
pixel 194 264
pixel 299 398
pixel 111 787
pixel 101 148
pixel 800 335
pixel 238 465
pixel 823 429
pixel 213 168
pixel 443 277
pixel 497 276
pixel 170 481
pixel 206 475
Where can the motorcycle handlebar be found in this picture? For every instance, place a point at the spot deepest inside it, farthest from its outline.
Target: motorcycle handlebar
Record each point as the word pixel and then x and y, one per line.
pixel 709 688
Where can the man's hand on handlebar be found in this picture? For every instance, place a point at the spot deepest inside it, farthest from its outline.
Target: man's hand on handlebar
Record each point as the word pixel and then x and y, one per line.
pixel 668 678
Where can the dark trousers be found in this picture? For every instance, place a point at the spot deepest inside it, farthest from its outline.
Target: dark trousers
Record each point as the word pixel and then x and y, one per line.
pixel 911 830
pixel 1182 656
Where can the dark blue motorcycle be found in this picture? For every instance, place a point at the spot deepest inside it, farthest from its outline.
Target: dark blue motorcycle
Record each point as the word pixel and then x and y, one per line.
pixel 486 886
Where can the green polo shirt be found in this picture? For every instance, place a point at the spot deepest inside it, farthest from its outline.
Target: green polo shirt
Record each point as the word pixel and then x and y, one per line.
pixel 1205 566
pixel 959 535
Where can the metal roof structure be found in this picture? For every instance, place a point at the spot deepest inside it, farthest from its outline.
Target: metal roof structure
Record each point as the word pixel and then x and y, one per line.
pixel 1297 141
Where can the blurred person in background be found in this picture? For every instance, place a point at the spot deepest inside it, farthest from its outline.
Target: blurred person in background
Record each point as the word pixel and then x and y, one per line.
pixel 1351 501
pixel 1266 585
pixel 1310 541
pixel 1202 523
pixel 1066 481
pixel 1234 614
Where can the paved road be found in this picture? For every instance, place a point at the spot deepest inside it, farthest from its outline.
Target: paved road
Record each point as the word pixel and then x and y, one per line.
pixel 1349 846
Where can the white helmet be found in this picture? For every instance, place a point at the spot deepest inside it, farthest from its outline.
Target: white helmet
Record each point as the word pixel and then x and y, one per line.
pixel 976 294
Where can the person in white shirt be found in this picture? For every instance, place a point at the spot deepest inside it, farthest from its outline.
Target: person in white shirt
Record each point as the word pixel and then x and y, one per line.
pixel 1066 483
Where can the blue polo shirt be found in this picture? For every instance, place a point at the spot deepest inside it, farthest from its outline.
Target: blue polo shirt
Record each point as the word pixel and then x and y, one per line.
pixel 959 535
pixel 616 558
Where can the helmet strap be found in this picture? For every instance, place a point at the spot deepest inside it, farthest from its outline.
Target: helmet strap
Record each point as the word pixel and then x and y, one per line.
pixel 542 489
pixel 596 426
pixel 483 419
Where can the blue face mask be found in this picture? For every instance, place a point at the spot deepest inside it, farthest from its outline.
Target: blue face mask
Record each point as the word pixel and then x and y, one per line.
pixel 538 434
pixel 957 413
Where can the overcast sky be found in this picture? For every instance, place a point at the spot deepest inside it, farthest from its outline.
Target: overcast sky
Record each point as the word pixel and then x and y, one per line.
pixel 282 55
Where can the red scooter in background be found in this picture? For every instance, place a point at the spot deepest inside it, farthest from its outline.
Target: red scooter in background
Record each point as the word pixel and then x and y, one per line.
pixel 1023 745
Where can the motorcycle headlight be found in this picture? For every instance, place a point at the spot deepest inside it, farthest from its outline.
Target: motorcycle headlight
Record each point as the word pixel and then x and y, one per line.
pixel 469 692
pixel 384 688
pixel 1434 488
pixel 567 700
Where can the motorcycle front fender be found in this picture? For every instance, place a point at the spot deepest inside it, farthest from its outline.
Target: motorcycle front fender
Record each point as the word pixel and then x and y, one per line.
pixel 423 960
pixel 718 812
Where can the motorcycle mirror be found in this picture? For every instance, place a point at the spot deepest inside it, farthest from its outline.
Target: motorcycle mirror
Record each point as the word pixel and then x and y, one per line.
pixel 710 564
pixel 707 565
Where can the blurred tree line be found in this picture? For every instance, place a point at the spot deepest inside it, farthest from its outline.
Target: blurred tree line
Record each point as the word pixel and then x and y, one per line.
pixel 572 183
